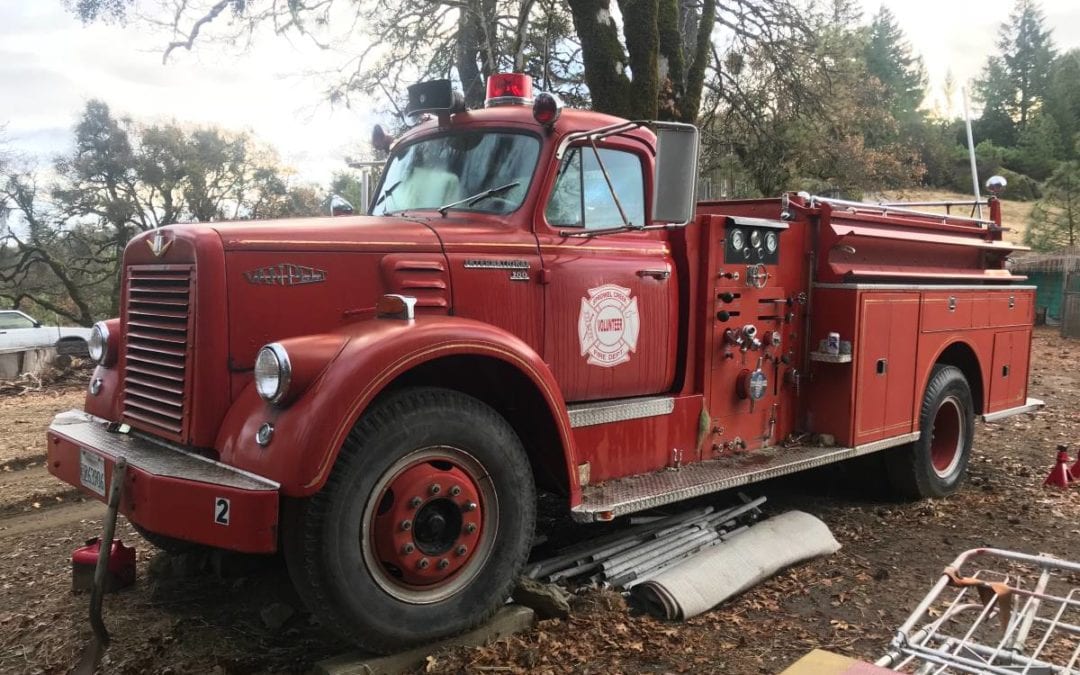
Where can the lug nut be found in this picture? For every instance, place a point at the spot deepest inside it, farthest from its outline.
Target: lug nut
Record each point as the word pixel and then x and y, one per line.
pixel 470 527
pixel 415 502
pixel 471 506
pixel 434 489
pixel 406 524
pixel 408 548
pixel 461 550
pixel 444 563
pixel 455 491
pixel 423 563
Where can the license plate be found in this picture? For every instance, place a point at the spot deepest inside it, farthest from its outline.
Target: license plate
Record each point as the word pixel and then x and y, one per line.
pixel 92 471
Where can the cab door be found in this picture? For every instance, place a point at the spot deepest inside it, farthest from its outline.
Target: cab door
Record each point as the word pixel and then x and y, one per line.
pixel 610 300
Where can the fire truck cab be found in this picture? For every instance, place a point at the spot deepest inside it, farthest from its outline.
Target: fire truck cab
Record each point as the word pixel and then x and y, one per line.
pixel 532 302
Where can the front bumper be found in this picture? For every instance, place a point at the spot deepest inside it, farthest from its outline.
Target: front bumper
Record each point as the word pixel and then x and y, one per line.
pixel 169 490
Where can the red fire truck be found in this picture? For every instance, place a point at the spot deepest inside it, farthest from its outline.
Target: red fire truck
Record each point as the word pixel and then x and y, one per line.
pixel 534 302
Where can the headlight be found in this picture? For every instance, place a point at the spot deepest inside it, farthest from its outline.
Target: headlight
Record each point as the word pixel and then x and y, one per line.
pixel 98 344
pixel 273 372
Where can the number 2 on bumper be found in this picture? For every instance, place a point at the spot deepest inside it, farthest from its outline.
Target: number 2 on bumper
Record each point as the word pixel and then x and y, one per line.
pixel 221 511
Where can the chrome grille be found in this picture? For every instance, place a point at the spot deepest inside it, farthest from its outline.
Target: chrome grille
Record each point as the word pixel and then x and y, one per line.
pixel 157 348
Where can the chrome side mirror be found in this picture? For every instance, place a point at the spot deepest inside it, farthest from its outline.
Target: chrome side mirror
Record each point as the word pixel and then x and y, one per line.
pixel 675 178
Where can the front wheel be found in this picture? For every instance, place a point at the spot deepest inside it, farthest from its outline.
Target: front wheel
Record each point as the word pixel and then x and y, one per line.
pixel 934 465
pixel 423 525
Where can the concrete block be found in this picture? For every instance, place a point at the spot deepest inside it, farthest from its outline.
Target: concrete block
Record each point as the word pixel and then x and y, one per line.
pixel 507 621
pixel 14 363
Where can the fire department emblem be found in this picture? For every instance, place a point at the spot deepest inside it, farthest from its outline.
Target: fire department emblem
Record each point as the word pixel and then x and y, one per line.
pixel 608 325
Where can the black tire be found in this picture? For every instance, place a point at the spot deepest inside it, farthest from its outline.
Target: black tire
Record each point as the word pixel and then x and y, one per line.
pixel 934 465
pixel 335 541
pixel 167 544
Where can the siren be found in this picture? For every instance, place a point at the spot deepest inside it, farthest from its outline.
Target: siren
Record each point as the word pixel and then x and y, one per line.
pixel 508 89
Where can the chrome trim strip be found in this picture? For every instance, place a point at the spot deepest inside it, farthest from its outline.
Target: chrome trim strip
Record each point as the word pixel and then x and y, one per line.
pixel 746 221
pixel 645 491
pixel 605 412
pixel 1032 405
pixel 929 287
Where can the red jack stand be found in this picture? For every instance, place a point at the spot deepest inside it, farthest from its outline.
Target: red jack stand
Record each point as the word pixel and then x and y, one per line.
pixel 1060 476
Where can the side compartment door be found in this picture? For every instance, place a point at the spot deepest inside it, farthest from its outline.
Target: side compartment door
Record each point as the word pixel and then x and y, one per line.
pixel 885 361
pixel 610 300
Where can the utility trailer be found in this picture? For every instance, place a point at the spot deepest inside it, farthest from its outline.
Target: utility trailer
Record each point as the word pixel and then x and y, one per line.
pixel 533 302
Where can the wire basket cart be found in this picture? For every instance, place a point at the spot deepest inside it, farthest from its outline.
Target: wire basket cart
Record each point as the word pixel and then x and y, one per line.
pixel 994 611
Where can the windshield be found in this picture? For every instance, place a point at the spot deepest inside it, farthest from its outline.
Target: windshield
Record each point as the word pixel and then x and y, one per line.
pixel 438 171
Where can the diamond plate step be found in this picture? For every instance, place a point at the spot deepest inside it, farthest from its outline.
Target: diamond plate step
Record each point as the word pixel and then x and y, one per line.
pixel 611 499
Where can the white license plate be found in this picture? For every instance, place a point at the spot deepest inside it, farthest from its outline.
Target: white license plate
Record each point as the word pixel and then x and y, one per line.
pixel 92 471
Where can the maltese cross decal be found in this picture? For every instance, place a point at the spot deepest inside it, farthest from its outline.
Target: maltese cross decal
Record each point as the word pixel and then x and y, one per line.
pixel 608 325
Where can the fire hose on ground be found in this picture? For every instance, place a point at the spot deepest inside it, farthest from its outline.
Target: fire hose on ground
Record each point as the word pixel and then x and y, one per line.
pixel 682 565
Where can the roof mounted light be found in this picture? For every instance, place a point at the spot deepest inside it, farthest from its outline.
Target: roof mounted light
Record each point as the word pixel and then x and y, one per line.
pixel 508 89
pixel 546 108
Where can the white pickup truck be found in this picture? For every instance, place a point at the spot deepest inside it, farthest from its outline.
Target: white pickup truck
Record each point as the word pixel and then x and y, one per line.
pixel 19 332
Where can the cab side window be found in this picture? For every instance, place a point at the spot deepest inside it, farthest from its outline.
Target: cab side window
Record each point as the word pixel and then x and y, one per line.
pixel 581 196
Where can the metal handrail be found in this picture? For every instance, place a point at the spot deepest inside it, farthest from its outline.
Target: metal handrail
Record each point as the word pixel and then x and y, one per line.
pixel 888 208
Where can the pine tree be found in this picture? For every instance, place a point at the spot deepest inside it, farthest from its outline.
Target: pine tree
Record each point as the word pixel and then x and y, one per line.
pixel 889 59
pixel 1055 219
pixel 1014 83
pixel 1063 101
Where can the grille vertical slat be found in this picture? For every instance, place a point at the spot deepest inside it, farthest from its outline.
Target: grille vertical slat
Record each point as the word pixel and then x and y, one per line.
pixel 156 378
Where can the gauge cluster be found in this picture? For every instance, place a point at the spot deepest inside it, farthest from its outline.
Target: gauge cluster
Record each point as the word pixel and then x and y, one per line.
pixel 750 244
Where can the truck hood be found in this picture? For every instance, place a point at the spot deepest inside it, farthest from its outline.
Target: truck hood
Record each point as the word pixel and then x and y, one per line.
pixel 341 234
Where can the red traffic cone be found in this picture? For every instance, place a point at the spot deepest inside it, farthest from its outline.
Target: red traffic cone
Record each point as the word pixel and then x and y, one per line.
pixel 1060 476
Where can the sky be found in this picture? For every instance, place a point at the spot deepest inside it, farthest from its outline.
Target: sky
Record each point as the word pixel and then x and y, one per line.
pixel 50 65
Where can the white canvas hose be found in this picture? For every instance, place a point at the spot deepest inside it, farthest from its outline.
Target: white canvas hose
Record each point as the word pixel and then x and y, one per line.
pixel 703 581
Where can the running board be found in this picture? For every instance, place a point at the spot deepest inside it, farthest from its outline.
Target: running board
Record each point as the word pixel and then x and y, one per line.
pixel 619 410
pixel 1032 405
pixel 606 501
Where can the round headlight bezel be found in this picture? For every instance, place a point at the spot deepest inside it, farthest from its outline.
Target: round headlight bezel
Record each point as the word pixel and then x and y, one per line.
pixel 99 342
pixel 275 357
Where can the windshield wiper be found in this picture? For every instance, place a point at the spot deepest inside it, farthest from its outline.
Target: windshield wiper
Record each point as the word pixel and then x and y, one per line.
pixel 386 193
pixel 478 197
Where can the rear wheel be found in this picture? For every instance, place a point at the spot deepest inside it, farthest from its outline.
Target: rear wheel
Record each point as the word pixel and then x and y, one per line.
pixel 934 465
pixel 423 525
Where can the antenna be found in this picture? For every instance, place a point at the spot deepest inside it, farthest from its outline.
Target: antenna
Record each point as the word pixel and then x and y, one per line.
pixel 971 153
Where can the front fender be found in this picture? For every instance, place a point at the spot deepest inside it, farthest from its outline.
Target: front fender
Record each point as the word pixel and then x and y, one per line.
pixel 309 433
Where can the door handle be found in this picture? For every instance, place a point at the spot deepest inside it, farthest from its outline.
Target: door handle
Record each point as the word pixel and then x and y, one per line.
pixel 661 274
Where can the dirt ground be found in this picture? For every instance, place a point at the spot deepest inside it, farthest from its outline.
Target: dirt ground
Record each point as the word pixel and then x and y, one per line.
pixel 200 614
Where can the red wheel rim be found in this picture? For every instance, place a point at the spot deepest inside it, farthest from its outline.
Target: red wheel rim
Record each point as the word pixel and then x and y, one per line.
pixel 429 524
pixel 947 437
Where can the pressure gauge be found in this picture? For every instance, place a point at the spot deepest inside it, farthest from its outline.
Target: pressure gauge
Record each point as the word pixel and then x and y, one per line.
pixel 771 242
pixel 760 253
pixel 737 240
pixel 755 239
